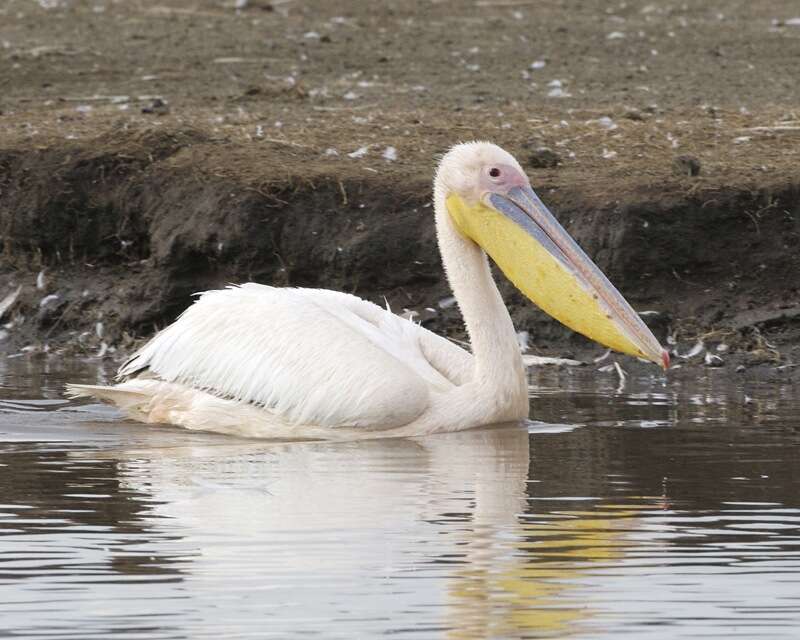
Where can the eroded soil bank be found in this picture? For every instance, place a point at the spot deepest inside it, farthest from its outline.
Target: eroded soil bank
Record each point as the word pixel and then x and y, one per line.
pixel 108 240
pixel 151 151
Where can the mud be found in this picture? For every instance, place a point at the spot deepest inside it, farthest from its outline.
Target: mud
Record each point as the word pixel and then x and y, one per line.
pixel 149 151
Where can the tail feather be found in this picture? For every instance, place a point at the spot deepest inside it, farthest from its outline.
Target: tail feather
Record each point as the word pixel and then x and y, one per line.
pixel 123 398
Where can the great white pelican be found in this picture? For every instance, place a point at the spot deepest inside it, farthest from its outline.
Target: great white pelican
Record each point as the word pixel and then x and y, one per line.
pixel 261 361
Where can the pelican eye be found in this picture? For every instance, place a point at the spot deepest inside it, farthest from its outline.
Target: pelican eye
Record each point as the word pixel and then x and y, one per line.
pixel 494 172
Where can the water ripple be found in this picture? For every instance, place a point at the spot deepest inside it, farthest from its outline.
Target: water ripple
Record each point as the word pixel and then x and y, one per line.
pixel 656 512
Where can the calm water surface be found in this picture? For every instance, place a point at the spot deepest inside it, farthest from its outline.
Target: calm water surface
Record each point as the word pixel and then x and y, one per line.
pixel 660 511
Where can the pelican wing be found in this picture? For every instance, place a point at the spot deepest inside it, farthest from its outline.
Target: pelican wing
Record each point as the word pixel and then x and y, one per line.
pixel 311 356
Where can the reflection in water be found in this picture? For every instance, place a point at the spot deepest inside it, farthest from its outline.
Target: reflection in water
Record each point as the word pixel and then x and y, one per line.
pixel 46 493
pixel 662 511
pixel 395 510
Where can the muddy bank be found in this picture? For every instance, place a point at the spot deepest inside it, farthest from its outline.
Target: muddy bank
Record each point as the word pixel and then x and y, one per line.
pixel 109 238
pixel 151 150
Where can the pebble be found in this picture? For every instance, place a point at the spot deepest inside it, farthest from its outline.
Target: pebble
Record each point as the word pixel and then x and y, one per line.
pixel 543 158
pixel 157 107
pixel 634 114
pixel 607 123
pixel 686 165
pixel 713 361
pixel 558 92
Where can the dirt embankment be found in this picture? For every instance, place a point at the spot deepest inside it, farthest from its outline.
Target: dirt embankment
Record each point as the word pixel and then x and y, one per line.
pixel 125 228
pixel 151 151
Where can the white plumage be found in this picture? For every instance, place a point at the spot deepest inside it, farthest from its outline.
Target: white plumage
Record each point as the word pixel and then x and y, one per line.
pixel 308 363
pixel 348 362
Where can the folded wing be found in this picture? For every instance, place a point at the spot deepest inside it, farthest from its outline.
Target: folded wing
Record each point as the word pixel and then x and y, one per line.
pixel 311 356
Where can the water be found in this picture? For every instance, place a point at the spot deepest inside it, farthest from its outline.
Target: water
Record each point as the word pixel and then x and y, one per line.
pixel 657 512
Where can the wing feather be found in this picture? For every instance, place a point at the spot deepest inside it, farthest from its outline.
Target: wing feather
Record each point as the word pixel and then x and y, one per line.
pixel 312 356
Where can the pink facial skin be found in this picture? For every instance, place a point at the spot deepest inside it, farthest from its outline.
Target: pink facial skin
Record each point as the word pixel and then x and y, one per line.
pixel 501 178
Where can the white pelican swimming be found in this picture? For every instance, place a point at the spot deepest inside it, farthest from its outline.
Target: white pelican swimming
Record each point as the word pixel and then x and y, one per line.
pixel 261 361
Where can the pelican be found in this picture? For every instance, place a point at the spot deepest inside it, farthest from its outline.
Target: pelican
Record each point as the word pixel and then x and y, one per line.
pixel 261 361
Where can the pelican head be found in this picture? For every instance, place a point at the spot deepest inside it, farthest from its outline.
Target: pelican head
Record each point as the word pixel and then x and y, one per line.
pixel 490 202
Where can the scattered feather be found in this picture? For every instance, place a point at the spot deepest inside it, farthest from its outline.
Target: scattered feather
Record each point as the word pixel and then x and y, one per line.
pixel 390 154
pixel 522 340
pixel 358 153
pixel 558 92
pixel 446 303
pixel 623 377
pixel 712 360
pixel 7 302
pixel 536 361
pixel 603 357
pixel 48 299
pixel 696 350
pixel 673 141
pixel 41 281
pixel 550 427
pixel 606 123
